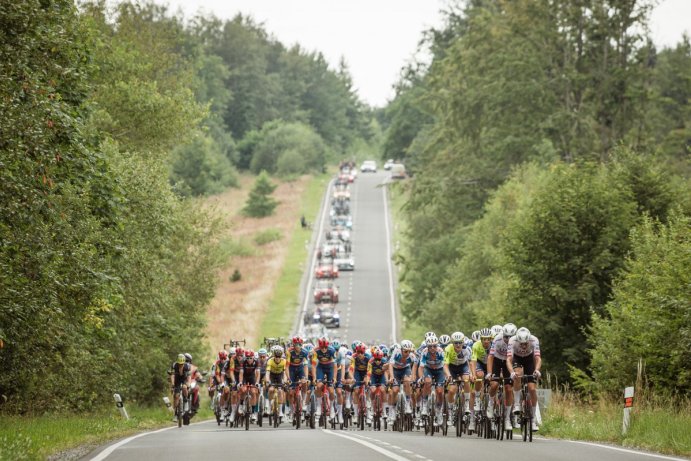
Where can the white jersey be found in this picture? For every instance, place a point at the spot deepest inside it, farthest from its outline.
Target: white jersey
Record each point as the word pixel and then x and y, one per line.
pixel 342 357
pixel 523 350
pixel 499 348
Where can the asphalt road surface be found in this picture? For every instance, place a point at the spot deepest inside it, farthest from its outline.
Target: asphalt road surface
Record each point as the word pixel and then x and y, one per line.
pixel 366 303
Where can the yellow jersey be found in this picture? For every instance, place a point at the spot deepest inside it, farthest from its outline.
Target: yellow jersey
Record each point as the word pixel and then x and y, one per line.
pixel 276 368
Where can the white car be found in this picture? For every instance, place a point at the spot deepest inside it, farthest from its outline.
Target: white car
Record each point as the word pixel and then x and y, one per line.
pixel 388 164
pixel 369 166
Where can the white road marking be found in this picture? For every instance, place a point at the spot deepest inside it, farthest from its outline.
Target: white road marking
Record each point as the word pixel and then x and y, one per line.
pixel 388 265
pixel 642 453
pixel 406 451
pixel 371 446
pixel 420 456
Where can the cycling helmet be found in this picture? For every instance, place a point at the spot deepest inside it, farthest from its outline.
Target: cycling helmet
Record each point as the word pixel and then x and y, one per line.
pixel 385 351
pixel 509 329
pixel 336 344
pixel 309 347
pixel 261 352
pixel 496 329
pixel 188 357
pixel 485 333
pixel 444 340
pixel 222 355
pixel 429 333
pixel 355 344
pixel 298 340
pixel 523 335
pixel 181 359
pixel 395 346
pixel 349 353
pixel 323 342
pixel 378 354
pixel 231 351
pixel 249 353
pixel 240 352
pixel 432 341
pixel 360 349
pixel 476 335
pixel 457 337
pixel 407 345
pixel 277 350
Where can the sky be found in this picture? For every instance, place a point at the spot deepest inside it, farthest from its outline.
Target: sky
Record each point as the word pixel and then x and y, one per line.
pixel 377 37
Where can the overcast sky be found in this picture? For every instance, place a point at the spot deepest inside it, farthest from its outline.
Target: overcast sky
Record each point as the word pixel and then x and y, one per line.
pixel 376 37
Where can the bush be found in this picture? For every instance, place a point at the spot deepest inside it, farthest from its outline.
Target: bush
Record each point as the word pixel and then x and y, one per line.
pixel 267 236
pixel 236 276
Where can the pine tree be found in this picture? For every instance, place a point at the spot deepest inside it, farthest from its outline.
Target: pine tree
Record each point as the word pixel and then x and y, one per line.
pixel 259 203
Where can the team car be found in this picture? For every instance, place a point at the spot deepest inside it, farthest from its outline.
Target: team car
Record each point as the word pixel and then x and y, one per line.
pixel 326 270
pixel 368 166
pixel 325 290
pixel 344 261
pixel 327 315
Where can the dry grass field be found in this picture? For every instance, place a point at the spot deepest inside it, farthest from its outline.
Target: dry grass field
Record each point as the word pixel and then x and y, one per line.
pixel 238 308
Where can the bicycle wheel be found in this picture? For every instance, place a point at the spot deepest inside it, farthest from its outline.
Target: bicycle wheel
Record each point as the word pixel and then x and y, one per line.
pixel 445 417
pixel 179 411
pixel 432 412
pixel 248 412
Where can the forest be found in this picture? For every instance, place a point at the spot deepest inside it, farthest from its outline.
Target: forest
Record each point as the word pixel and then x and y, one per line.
pixel 550 147
pixel 113 119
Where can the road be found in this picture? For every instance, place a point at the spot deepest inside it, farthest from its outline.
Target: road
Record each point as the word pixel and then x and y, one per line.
pixel 366 299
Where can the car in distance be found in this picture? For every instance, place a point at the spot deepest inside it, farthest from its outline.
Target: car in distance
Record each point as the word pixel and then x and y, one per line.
pixel 344 261
pixel 398 171
pixel 388 164
pixel 325 290
pixel 368 166
pixel 326 270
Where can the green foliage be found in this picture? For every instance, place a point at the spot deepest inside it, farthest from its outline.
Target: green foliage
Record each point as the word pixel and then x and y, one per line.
pixel 267 236
pixel 649 315
pixel 236 276
pixel 199 167
pixel 305 149
pixel 260 203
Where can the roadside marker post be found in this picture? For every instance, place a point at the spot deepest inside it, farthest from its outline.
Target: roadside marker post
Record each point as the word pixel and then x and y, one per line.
pixel 166 400
pixel 628 404
pixel 120 406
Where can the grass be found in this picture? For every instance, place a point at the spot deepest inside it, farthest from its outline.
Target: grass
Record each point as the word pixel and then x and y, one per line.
pixel 267 236
pixel 230 247
pixel 657 427
pixel 38 437
pixel 280 315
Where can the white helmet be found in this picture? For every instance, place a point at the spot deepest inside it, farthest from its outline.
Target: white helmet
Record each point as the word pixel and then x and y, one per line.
pixel 444 340
pixel 476 335
pixel 509 329
pixel 486 333
pixel 523 335
pixel 457 337
pixel 429 333
pixel 432 340
pixel 232 351
pixel 407 345
pixel 496 330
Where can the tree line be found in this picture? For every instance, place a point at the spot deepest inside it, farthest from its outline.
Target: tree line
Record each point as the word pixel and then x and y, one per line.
pixel 550 142
pixel 110 119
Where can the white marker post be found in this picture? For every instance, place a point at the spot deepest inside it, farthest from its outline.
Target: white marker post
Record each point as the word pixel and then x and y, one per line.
pixel 166 400
pixel 120 405
pixel 628 404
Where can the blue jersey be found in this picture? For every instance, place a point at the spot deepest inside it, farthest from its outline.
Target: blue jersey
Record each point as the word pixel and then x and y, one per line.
pixel 325 357
pixel 432 359
pixel 400 363
pixel 360 363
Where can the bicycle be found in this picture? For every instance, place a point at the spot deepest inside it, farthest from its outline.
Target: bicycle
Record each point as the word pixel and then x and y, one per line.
pixel 246 406
pixel 377 407
pixel 500 415
pixel 362 407
pixel 296 406
pixel 326 405
pixel 460 419
pixel 445 410
pixel 526 415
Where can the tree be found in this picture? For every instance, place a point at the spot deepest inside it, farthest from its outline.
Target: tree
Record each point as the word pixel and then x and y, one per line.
pixel 649 315
pixel 259 203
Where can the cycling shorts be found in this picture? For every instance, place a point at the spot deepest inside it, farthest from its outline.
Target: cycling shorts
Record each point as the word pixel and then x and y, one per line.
pixel 249 378
pixel 499 368
pixel 276 379
pixel 377 380
pixel 527 363
pixel 479 366
pixel 459 370
pixel 359 377
pixel 325 371
pixel 400 373
pixel 437 375
pixel 296 374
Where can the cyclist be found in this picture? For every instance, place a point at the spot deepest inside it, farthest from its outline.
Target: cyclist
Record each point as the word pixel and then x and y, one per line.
pixel 263 357
pixel 432 361
pixel 475 337
pixel 360 359
pixel 232 372
pixel 523 359
pixel 496 330
pixel 478 368
pixel 496 366
pixel 296 357
pixel 180 377
pixel 276 374
pixel 216 378
pixel 196 375
pixel 456 366
pixel 324 367
pixel 249 379
pixel 402 361
pixel 342 376
pixel 377 374
pixel 444 340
